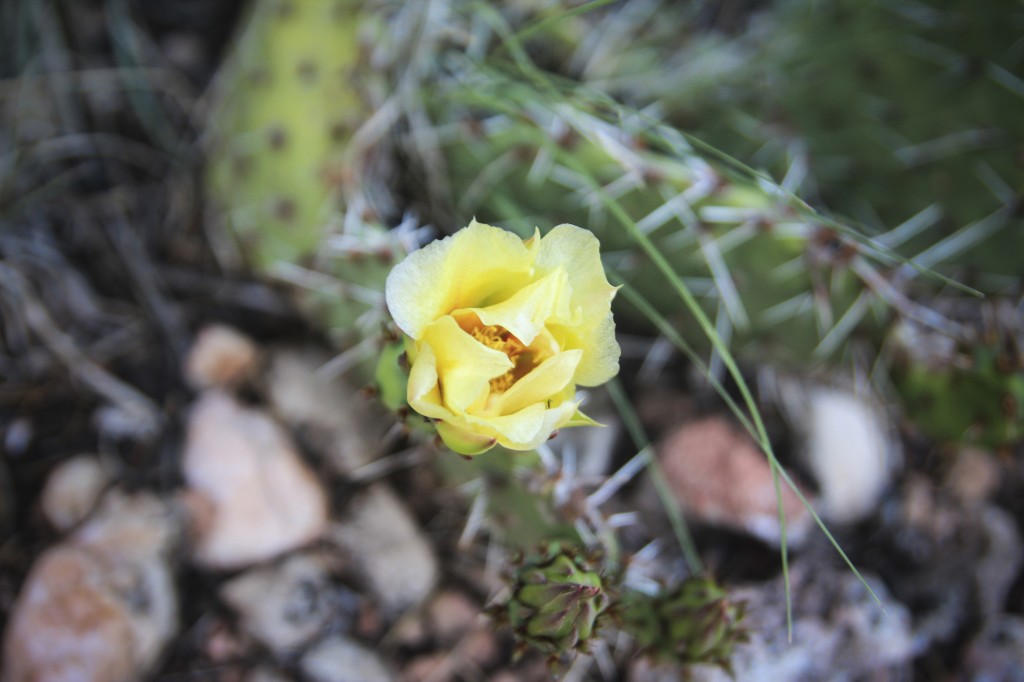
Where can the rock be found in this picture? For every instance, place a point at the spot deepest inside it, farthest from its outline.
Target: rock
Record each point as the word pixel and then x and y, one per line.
pixel 849 449
pixel 101 606
pixel 72 491
pixel 333 417
pixel 997 655
pixel 480 647
pixel 429 668
pixel 840 633
pixel 284 607
pixel 451 615
pixel 974 476
pixel 643 669
pixel 221 357
pixel 381 537
pixel 998 566
pixel 262 500
pixel 266 674
pixel 339 659
pixel 719 476
pixel 954 563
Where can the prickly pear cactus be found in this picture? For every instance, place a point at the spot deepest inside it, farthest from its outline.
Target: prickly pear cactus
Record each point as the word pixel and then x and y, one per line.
pixel 557 599
pixel 969 390
pixel 286 104
pixel 283 174
pixel 695 623
pixel 772 276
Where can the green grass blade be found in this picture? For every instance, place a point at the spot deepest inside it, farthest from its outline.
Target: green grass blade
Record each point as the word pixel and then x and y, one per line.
pixel 668 500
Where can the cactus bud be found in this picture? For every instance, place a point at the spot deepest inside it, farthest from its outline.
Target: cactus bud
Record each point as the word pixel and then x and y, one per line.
pixel 556 601
pixel 693 623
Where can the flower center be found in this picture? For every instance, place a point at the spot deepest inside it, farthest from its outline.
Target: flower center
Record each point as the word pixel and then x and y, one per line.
pixel 499 338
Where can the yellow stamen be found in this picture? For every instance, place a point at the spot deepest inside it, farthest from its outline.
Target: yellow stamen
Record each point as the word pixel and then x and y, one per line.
pixel 499 338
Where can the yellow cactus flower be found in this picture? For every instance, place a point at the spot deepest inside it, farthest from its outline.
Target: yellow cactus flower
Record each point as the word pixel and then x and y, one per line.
pixel 501 330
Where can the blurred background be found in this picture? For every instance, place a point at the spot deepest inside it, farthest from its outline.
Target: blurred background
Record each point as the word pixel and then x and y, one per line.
pixel 817 213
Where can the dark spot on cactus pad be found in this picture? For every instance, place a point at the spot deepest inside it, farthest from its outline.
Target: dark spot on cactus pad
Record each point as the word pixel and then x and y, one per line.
pixel 284 210
pixel 1008 404
pixel 285 9
pixel 277 137
pixel 259 76
pixel 567 139
pixel 241 165
pixel 638 143
pixel 474 128
pixel 869 69
pixel 828 248
pixel 523 152
pixel 652 176
pixel 307 71
pixel 1017 206
pixel 339 131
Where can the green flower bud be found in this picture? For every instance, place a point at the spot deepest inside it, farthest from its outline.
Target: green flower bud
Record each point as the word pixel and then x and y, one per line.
pixel 556 601
pixel 693 623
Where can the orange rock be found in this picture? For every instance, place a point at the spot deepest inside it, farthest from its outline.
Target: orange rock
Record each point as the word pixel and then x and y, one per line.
pixel 100 607
pixel 720 476
pixel 221 357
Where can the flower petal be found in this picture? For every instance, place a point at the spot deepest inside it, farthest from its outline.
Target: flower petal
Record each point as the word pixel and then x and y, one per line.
pixel 474 267
pixel 465 442
pixel 600 349
pixel 423 393
pixel 545 381
pixel 578 252
pixel 514 431
pixel 465 366
pixel 590 325
pixel 526 312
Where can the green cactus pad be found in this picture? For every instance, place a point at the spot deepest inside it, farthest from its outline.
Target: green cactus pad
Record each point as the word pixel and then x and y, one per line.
pixel 285 107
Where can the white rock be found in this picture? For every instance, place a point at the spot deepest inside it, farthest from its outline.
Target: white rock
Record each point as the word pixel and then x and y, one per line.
pixel 382 539
pixel 72 490
pixel 263 499
pixel 221 356
pixel 101 606
pixel 849 451
pixel 285 607
pixel 332 416
pixel 338 659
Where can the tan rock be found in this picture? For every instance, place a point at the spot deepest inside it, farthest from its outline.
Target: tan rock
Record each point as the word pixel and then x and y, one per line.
pixel 101 606
pixel 974 476
pixel 263 499
pixel 286 606
pixel 221 356
pixel 72 491
pixel 719 476
pixel 388 549
pixel 480 646
pixel 429 668
pixel 339 659
pixel 333 416
pixel 452 614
